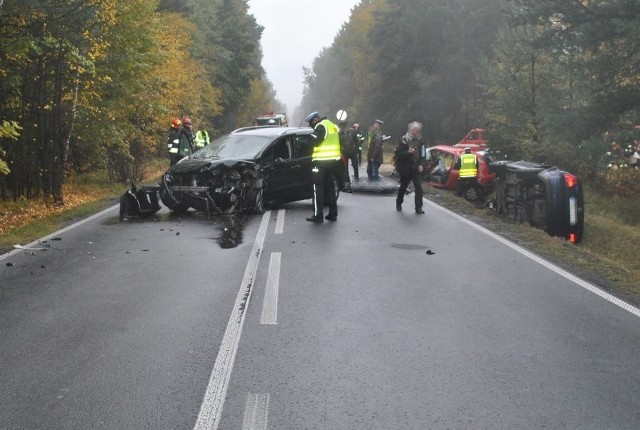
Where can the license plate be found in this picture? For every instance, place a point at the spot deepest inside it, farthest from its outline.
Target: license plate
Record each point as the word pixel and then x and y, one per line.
pixel 573 211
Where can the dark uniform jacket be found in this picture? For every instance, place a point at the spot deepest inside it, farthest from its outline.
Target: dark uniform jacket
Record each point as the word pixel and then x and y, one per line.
pixel 186 142
pixel 375 148
pixel 174 138
pixel 348 141
pixel 407 163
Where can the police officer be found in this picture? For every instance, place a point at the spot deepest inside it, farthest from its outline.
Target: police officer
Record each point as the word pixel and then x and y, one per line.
pixel 467 165
pixel 326 164
pixel 374 152
pixel 360 137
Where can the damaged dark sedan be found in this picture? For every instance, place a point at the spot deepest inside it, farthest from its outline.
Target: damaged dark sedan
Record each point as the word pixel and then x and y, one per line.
pixel 244 171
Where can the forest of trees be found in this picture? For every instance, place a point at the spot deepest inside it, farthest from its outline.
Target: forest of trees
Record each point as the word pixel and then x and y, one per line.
pixel 89 85
pixel 558 79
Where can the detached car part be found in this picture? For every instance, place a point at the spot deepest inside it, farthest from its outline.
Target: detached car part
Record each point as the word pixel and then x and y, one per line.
pixel 141 202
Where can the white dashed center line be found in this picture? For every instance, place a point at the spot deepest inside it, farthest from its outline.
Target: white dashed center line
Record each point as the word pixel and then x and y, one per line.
pixel 256 412
pixel 280 222
pixel 211 408
pixel 270 302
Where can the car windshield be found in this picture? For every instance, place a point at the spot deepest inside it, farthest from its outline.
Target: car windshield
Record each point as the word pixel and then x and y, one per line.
pixel 235 146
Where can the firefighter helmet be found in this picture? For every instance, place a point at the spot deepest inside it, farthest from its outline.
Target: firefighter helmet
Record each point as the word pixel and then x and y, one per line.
pixel 175 123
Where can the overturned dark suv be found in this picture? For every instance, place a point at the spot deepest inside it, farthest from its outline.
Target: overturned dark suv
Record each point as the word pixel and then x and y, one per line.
pixel 243 171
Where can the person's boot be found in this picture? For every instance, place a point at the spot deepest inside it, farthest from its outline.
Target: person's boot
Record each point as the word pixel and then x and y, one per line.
pixel 398 206
pixel 315 219
pixel 419 211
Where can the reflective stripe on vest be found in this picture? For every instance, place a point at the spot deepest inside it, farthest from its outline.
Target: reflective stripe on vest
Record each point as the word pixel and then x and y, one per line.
pixel 468 167
pixel 329 149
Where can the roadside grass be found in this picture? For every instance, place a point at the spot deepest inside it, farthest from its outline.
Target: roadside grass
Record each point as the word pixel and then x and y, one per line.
pixel 611 231
pixel 24 221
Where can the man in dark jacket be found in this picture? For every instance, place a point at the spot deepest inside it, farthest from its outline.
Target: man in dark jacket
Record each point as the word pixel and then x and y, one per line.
pixel 374 152
pixel 410 157
pixel 349 150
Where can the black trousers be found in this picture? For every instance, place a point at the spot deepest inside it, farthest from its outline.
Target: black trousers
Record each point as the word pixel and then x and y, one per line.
pixel 416 177
pixel 324 187
pixel 353 157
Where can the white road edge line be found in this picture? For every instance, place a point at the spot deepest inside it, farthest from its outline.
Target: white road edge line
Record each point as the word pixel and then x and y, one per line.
pixel 211 408
pixel 256 412
pixel 52 235
pixel 571 277
pixel 280 222
pixel 270 302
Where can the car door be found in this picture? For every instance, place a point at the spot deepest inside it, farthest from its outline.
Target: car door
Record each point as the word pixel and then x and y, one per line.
pixel 285 172
pixel 442 173
pixel 303 179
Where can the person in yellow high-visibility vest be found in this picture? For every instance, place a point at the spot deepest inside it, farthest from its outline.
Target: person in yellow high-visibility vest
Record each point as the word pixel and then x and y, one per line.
pixel 326 164
pixel 202 139
pixel 467 166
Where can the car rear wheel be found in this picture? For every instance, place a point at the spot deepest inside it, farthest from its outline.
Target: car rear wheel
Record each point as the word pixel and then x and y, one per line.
pixel 473 193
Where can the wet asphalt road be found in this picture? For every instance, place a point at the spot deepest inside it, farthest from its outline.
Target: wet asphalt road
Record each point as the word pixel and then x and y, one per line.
pixel 344 325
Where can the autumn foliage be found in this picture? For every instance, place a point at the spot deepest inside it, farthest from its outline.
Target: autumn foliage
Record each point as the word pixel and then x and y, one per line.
pixel 92 85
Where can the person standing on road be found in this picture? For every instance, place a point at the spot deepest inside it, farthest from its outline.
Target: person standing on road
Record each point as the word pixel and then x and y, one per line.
pixel 185 141
pixel 360 137
pixel 374 152
pixel 467 166
pixel 409 162
pixel 202 139
pixel 348 148
pixel 173 141
pixel 326 165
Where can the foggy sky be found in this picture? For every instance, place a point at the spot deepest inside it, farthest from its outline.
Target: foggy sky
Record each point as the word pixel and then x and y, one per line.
pixel 294 34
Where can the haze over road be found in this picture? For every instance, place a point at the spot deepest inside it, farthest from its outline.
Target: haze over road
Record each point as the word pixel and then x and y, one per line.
pixel 345 325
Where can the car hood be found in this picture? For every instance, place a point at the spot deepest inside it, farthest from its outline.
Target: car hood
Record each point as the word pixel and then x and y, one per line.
pixel 191 165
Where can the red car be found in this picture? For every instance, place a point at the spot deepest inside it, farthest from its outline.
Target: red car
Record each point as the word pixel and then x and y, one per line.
pixel 474 140
pixel 441 171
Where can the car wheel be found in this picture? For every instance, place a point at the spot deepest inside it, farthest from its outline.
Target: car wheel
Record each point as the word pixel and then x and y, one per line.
pixel 473 193
pixel 172 203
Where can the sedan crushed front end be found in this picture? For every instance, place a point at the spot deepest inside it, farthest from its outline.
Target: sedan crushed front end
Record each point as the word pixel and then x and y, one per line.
pixel 242 171
pixel 213 187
